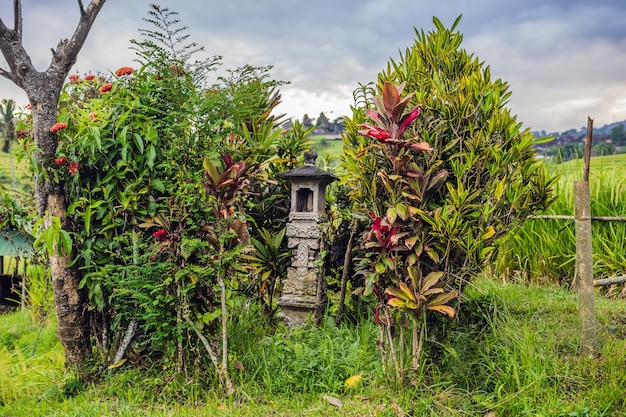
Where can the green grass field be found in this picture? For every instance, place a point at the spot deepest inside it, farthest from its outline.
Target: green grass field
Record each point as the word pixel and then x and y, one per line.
pixel 545 250
pixel 23 178
pixel 331 149
pixel 515 353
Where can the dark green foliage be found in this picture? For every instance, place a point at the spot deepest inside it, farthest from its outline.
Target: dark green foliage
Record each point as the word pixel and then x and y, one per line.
pixel 167 178
pixel 494 178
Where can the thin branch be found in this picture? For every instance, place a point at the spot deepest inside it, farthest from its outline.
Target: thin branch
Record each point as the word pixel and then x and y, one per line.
pixel 17 26
pixel 128 337
pixel 5 74
pixel 67 52
pixel 80 6
pixel 222 373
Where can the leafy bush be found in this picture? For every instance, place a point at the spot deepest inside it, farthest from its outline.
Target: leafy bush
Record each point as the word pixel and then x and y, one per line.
pixel 167 177
pixel 441 183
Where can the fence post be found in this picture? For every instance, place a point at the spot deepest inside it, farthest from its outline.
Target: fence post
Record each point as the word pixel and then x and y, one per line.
pixel 584 256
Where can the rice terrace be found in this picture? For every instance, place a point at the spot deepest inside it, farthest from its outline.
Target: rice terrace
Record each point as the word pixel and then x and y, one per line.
pixel 173 245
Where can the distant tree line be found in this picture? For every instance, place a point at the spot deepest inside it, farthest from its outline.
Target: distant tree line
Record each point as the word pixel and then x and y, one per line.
pixel 570 144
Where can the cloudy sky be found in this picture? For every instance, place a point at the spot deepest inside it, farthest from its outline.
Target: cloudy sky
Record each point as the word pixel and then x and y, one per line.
pixel 564 59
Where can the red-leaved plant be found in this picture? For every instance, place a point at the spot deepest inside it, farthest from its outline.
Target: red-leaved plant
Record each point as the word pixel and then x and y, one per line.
pixel 401 268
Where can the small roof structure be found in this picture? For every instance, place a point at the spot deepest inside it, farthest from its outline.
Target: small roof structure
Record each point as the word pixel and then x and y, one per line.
pixel 309 171
pixel 14 243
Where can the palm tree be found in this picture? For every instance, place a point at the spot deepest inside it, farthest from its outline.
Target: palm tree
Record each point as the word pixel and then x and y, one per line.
pixel 7 123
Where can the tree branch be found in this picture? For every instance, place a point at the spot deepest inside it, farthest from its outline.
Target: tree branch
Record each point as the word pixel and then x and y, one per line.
pixel 67 51
pixel 5 74
pixel 17 26
pixel 80 6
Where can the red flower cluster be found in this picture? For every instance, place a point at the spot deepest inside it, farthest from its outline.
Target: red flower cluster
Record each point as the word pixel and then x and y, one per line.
pixel 93 115
pixel 106 87
pixel 176 70
pixel 72 168
pixel 90 77
pixel 160 234
pixel 60 161
pixel 74 78
pixel 22 133
pixel 124 71
pixel 58 126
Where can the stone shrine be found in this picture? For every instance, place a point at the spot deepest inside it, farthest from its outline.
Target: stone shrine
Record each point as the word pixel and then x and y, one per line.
pixel 308 199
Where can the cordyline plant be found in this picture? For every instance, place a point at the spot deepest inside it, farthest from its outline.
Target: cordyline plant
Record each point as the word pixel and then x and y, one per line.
pixel 395 245
pixel 438 205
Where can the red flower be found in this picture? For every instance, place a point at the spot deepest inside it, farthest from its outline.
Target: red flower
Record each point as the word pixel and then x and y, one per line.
pixel 74 78
pixel 90 77
pixel 160 234
pixel 93 115
pixel 124 71
pixel 60 161
pixel 22 133
pixel 72 168
pixel 29 106
pixel 178 71
pixel 58 126
pixel 106 87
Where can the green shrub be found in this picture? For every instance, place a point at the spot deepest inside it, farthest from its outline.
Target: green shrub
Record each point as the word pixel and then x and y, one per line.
pixel 441 183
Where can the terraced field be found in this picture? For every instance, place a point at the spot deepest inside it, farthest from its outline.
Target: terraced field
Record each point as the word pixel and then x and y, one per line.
pixel 8 166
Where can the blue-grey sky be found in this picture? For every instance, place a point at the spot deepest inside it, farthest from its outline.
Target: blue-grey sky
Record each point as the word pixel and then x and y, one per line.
pixel 563 59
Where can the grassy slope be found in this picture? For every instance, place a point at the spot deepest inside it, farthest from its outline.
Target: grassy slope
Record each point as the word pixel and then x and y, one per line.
pixel 521 361
pixel 22 177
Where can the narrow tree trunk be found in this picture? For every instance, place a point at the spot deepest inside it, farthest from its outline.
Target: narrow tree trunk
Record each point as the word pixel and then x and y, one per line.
pixel 69 300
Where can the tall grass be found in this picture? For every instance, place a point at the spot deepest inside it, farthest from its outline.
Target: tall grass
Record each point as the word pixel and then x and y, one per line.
pixel 513 352
pixel 30 357
pixel 543 251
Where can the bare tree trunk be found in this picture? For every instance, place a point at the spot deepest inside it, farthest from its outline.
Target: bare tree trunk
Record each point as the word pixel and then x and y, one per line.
pixel 69 300
pixel 43 90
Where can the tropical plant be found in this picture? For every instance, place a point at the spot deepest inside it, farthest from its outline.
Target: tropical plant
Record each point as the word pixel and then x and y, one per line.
pixel 7 123
pixel 438 204
pixel 158 166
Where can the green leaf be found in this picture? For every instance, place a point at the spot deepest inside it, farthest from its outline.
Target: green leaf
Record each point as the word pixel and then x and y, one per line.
pixel 443 298
pixel 158 185
pixel 139 142
pixel 396 302
pixel 433 255
pixel 392 214
pixel 395 292
pixel 430 280
pixel 403 211
pixel 150 156
pixel 408 293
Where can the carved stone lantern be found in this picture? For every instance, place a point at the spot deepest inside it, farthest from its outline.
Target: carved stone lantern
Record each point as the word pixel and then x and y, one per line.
pixel 308 199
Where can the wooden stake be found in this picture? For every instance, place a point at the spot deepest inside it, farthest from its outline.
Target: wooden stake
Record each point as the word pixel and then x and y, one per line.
pixel 584 256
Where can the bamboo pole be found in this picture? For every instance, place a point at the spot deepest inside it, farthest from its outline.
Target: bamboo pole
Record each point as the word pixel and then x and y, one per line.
pixel 609 281
pixel 584 256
